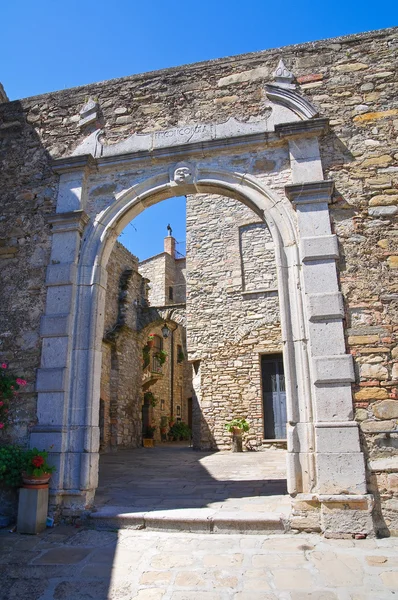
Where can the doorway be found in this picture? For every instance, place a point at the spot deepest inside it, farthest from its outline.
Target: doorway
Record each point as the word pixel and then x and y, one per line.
pixel 274 396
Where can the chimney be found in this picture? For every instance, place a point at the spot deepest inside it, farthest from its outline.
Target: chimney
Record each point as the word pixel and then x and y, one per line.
pixel 170 245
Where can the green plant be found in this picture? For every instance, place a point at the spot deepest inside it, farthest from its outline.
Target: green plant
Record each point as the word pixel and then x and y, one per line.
pixel 146 356
pixel 12 463
pixel 35 462
pixel 9 386
pixel 180 356
pixel 180 431
pixel 149 433
pixel 239 423
pixel 150 397
pixel 161 356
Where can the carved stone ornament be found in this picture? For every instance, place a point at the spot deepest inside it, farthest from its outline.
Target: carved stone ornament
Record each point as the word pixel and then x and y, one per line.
pixel 283 77
pixel 182 174
pixel 88 113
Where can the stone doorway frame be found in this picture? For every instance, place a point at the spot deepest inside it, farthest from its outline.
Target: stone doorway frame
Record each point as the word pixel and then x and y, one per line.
pixel 318 371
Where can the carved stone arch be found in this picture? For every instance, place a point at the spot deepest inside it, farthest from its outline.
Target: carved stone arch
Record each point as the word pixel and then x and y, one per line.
pixel 318 372
pixel 157 315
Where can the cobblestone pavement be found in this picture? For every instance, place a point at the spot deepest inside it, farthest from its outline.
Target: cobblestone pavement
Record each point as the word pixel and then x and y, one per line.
pixel 172 476
pixel 68 563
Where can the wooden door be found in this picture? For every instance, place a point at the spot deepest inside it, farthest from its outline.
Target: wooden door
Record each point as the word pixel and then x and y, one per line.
pixel 274 396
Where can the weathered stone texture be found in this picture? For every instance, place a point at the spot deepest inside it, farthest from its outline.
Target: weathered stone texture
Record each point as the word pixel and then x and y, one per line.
pixel 351 80
pixel 121 399
pixel 232 311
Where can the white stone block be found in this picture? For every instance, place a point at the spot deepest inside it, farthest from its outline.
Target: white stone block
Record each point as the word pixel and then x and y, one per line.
pixel 313 219
pixel 305 160
pixel 51 380
pixel 326 337
pixel 59 299
pixel 70 191
pixel 54 352
pixel 47 439
pixel 333 369
pixel 320 276
pixel 325 306
pixel 50 408
pixel 341 473
pixel 333 402
pixel 60 274
pixel 54 326
pixel 65 247
pixel 332 436
pixel 319 247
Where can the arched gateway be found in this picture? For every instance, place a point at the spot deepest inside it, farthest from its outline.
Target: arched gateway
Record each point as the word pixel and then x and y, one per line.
pixel 325 465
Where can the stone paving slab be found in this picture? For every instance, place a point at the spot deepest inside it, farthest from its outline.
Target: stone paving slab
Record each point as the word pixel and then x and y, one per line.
pixel 68 563
pixel 176 488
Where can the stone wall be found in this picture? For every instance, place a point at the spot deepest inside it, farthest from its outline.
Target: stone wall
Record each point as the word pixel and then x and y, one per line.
pixel 232 313
pixel 121 398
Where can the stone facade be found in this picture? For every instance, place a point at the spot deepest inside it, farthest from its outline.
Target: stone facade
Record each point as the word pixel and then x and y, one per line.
pixel 328 193
pixel 165 275
pixel 121 372
pixel 232 313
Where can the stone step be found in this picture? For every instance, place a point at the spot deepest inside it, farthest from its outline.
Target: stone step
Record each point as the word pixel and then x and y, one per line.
pixel 200 520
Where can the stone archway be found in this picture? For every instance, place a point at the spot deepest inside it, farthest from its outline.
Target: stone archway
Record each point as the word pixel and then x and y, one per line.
pixel 318 371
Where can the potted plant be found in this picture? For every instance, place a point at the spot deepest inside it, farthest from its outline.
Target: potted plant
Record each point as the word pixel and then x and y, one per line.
pixel 237 427
pixel 161 356
pixel 36 471
pixel 147 438
pixel 180 356
pixel 180 431
pixel 151 340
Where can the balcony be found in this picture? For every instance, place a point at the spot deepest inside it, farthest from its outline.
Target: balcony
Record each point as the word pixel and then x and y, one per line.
pixel 152 372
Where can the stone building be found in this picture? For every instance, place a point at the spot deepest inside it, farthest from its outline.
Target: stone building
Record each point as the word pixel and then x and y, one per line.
pixel 170 382
pixel 129 368
pixel 308 146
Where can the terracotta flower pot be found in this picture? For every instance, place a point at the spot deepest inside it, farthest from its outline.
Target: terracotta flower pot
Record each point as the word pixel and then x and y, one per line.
pixel 148 443
pixel 150 343
pixel 35 481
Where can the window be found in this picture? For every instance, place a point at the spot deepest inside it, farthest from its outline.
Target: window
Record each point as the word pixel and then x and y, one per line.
pixel 170 292
pixel 157 343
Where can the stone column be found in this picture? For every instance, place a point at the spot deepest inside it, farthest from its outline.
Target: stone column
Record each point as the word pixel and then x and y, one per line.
pixel 340 468
pixel 60 426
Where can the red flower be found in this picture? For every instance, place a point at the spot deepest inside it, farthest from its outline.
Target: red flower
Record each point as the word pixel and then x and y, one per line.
pixel 21 381
pixel 37 461
pixel 3 366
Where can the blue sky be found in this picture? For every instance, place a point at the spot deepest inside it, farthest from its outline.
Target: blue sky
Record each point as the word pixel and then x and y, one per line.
pixel 47 46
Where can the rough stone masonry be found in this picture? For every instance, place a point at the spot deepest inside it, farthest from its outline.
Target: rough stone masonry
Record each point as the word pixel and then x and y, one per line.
pixel 310 146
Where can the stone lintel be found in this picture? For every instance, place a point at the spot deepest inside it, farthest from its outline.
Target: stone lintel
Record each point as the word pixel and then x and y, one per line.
pixel 314 192
pixel 73 163
pixel 75 220
pixel 311 127
pixel 324 306
pixel 319 247
pixel 333 369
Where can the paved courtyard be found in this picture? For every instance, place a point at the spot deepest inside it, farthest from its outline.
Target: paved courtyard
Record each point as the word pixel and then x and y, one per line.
pixel 172 481
pixel 68 563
